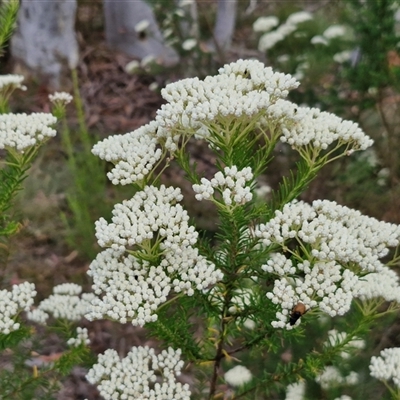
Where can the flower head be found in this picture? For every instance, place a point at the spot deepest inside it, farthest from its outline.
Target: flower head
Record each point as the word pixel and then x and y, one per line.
pixel 82 338
pixel 231 184
pixel 133 276
pixel 141 374
pixel 20 131
pixel 386 366
pixel 10 82
pixel 339 240
pixel 12 303
pixel 265 24
pixel 66 302
pixel 242 90
pixel 134 154
pixel 60 98
pixel 238 376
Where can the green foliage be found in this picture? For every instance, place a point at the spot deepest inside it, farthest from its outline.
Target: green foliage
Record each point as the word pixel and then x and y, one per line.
pixel 11 340
pixel 8 17
pixel 86 197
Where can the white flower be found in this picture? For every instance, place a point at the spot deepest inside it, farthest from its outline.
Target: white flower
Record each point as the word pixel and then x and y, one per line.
pixel 231 185
pixel 338 238
pixel 142 374
pixel 60 98
pixel 343 56
pixel 310 126
pixel 269 40
pixel 142 25
pixel 386 366
pixel 383 284
pixel 265 24
pixel 299 17
pixel 189 44
pixel 283 58
pixel 66 302
pixel 20 131
pixel 148 60
pixel 153 86
pixel 132 288
pixel 132 66
pixel 238 376
pixel 134 154
pixel 11 81
pixel 331 377
pixel 334 31
pixel 319 40
pixel 12 303
pixel 243 90
pixel 296 391
pixel 82 338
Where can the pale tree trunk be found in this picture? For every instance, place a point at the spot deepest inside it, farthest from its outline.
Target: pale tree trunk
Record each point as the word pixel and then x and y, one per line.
pixel 123 33
pixel 225 24
pixel 44 43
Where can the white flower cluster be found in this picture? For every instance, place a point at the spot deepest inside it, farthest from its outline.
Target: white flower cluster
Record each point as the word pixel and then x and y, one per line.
pixel 149 212
pixel 238 376
pixel 134 154
pixel 270 39
pixel 386 366
pixel 12 303
pixel 339 240
pixel 20 131
pixel 140 375
pixel 333 232
pixel 296 391
pixel 82 338
pixel 11 81
pixel 242 90
pixel 265 24
pixel 336 338
pixel 383 284
pixel 231 184
pixel 66 302
pixel 320 129
pixel 60 98
pixel 132 288
pixel 332 32
pixel 332 377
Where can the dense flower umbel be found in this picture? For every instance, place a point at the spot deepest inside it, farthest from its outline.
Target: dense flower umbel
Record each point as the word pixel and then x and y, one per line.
pixel 12 303
pixel 336 247
pixel 150 253
pixel 231 184
pixel 134 154
pixel 67 302
pixel 386 367
pixel 11 81
pixel 242 91
pixel 60 98
pixel 142 374
pixel 82 338
pixel 20 131
pixel 244 95
pixel 238 376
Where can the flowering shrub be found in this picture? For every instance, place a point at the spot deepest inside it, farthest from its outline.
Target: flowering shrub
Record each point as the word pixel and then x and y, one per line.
pixel 274 266
pixel 275 263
